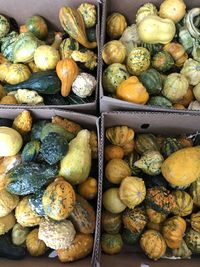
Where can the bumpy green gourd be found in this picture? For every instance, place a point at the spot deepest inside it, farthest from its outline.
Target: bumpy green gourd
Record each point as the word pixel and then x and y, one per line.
pixel 31 151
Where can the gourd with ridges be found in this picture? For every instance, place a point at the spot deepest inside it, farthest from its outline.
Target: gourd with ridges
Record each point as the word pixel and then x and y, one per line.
pixel 172 9
pixel 152 48
pixel 120 135
pixel 159 101
pixel 4 26
pixel 195 192
pixel 177 51
pixel 195 221
pixel 35 246
pixel 115 25
pixel 7 44
pixel 184 203
pixel 170 146
pixel 189 21
pixel 114 52
pixel 37 25
pixel 131 159
pixel 146 142
pixel 162 61
pixel 191 70
pixel 111 222
pixel 192 239
pixel 17 73
pixel 152 81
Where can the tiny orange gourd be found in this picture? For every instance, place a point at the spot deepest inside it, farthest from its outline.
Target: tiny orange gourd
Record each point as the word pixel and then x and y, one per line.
pixel 67 71
pixel 113 152
pixel 88 189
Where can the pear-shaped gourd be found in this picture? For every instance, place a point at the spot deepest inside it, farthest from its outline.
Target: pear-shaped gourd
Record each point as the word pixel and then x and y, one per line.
pixel 182 167
pixel 75 166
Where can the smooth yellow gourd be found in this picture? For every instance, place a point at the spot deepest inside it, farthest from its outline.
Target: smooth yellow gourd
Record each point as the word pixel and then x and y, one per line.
pixel 153 29
pixel 182 167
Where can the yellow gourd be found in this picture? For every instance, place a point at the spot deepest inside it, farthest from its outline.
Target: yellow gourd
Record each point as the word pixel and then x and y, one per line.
pixel 115 25
pixel 67 70
pixel 132 90
pixel 172 9
pixel 182 167
pixel 9 100
pixel 17 73
pixel 114 52
pixel 88 189
pixel 153 29
pixel 7 223
pixel 35 246
pixel 113 152
pixel 4 70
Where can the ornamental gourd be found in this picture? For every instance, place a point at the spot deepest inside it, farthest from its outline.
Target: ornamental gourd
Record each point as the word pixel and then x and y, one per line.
pixel 7 44
pixel 114 52
pixel 4 26
pixel 155 216
pixel 153 29
pixel 116 170
pixel 112 201
pixel 7 202
pixel 73 23
pixel 191 70
pixel 177 51
pixel 144 11
pixel 146 142
pixel 195 192
pixel 194 31
pixel 192 240
pixel 175 87
pixel 67 70
pixel 184 203
pixel 113 152
pixel 35 246
pixel 138 60
pixel 173 231
pixel 195 221
pixel 196 91
pixel 162 61
pixel 120 135
pixel 17 73
pixel 152 81
pixel 170 145
pixel 133 91
pixel 111 243
pixel 58 199
pixel 88 189
pixel 182 167
pixel 88 11
pixel 111 222
pixel 172 9
pixel 132 191
pixel 153 244
pixel 37 25
pixel 115 25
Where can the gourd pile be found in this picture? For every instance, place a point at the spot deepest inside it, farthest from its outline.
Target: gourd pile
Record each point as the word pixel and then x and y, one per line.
pixel 156 60
pixel 47 198
pixel 37 62
pixel 151 194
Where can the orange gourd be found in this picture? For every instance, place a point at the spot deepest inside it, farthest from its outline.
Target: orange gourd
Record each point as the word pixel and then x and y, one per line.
pixel 132 90
pixel 178 106
pixel 113 152
pixel 188 97
pixel 67 71
pixel 177 51
pixel 23 28
pixel 88 189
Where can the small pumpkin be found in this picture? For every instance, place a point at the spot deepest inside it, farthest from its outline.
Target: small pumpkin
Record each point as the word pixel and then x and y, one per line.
pixel 195 221
pixel 172 9
pixel 144 11
pixel 113 76
pixel 114 52
pixel 37 25
pixel 177 51
pixel 58 199
pixel 67 70
pixel 88 189
pixel 134 220
pixel 146 142
pixel 184 203
pixel 173 231
pixel 162 61
pixel 120 135
pixel 138 60
pixel 111 222
pixel 182 251
pixel 132 191
pixel 17 73
pixel 152 81
pixel 153 244
pixel 111 243
pixel 4 26
pixel 116 170
pixel 175 87
pixel 35 246
pixel 133 91
pixel 115 25
pixel 46 57
pixel 112 201
pixel 155 216
pixel 113 152
pixel 191 70
pixel 192 239
pixel 195 192
pixel 7 202
pixel 88 11
pixel 170 145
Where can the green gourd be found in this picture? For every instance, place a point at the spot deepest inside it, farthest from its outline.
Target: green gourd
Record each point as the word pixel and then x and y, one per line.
pixel 7 44
pixel 130 238
pixel 192 239
pixel 195 192
pixel 170 146
pixel 37 129
pixel 91 34
pixel 111 244
pixel 162 61
pixel 55 128
pixel 111 223
pixel 31 151
pixel 19 234
pixel 44 82
pixel 4 26
pixel 159 101
pixel 146 142
pixel 35 201
pixel 152 81
pixel 37 25
pixel 131 159
pixel 153 48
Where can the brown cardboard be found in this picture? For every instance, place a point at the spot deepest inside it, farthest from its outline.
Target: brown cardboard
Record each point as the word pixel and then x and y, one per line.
pixel 143 122
pixel 87 121
pixel 129 9
pixel 21 10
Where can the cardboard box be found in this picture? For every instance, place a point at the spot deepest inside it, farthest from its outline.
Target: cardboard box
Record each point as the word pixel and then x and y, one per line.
pixel 143 122
pixel 129 9
pixel 22 10
pixel 87 121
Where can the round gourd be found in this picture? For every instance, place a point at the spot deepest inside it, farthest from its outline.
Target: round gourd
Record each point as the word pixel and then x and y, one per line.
pixel 175 87
pixel 195 221
pixel 134 220
pixel 177 51
pixel 112 201
pixel 25 215
pixel 113 76
pixel 182 252
pixel 113 152
pixel 160 101
pixel 185 141
pixel 4 26
pixel 170 145
pixel 132 191
pixel 196 92
pixel 173 231
pixel 120 135
pixel 4 70
pixel 111 223
pixel 115 25
pixel 116 170
pixel 191 70
pixel 152 81
pixel 153 244
pixel 155 216
pixel 152 48
pixel 146 142
pixel 17 73
pixel 7 223
pixel 46 57
pixel 88 189
pixel 172 9
pixel 114 52
pixel 184 203
pixel 10 142
pixel 133 91
pixel 162 61
pixel 192 239
pixel 88 11
pixel 154 226
pixel 7 44
pixel 59 199
pixel 37 25
pixel 19 234
pixel 111 244
pixel 195 192
pixel 9 100
pixel 188 97
pixel 160 199
pixel 130 238
pixel 35 246
pixel 129 147
pixel 144 11
pixel 7 202
pixel 138 60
